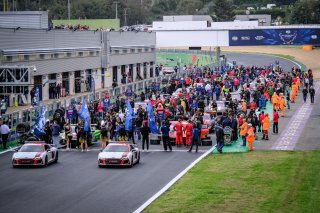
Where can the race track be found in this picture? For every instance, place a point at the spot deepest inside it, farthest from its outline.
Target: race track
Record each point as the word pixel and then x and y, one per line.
pixel 76 184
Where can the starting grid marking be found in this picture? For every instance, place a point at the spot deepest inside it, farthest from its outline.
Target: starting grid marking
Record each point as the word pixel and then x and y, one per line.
pixel 289 138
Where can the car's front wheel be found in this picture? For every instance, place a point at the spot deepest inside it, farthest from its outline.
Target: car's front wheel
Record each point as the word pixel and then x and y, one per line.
pixel 46 162
pixel 138 161
pixel 131 163
pixel 57 157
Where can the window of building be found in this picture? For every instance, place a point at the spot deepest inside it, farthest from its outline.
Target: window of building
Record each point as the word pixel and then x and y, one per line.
pixel 42 56
pixel 80 54
pixel 56 55
pixel 8 58
pixel 91 53
pixel 69 55
pixel 124 51
pixel 26 57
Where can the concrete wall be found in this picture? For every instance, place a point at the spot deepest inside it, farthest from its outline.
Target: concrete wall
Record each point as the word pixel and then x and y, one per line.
pixel 127 41
pixel 26 39
pixel 187 18
pixel 24 19
pixel 179 25
pixel 192 38
pixel 61 65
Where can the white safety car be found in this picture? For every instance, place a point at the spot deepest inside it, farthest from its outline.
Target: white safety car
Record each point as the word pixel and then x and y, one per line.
pixel 36 153
pixel 119 154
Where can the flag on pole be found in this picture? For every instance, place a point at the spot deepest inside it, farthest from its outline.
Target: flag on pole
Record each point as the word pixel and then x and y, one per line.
pixel 152 121
pixel 84 114
pixel 40 122
pixel 130 115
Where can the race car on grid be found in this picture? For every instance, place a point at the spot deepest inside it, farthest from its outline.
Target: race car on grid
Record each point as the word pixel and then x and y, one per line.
pixel 120 153
pixel 35 153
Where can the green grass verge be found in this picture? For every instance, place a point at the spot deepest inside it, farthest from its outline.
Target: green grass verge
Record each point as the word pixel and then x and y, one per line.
pixel 173 59
pixel 11 144
pixel 92 23
pixel 247 182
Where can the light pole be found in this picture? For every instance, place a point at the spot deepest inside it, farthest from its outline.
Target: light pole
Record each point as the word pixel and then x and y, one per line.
pixel 116 3
pixel 69 8
pixel 125 15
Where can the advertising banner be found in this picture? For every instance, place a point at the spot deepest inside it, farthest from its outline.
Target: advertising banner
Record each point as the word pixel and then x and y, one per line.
pixel 298 36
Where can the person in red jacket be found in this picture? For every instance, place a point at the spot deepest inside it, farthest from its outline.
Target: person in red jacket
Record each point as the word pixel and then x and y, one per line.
pixel 178 127
pixel 275 121
pixel 189 130
pixel 261 117
pixel 253 105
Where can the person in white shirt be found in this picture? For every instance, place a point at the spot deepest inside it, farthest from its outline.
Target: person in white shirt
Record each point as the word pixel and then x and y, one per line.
pixel 4 131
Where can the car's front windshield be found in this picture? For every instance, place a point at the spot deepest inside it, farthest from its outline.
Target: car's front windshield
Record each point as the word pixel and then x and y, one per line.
pixel 31 148
pixel 117 148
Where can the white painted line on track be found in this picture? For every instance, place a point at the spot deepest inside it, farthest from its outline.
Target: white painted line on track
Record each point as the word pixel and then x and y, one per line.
pixel 145 151
pixel 290 136
pixel 9 150
pixel 173 181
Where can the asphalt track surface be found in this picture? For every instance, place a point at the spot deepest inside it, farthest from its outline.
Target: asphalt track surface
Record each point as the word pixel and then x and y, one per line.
pixel 76 184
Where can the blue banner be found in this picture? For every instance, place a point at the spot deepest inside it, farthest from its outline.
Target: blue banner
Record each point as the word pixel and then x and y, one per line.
pixel 130 115
pixel 84 114
pixel 40 122
pixel 152 121
pixel 297 36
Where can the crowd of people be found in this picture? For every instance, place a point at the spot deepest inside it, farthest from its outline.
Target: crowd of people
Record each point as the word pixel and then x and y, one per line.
pixel 245 92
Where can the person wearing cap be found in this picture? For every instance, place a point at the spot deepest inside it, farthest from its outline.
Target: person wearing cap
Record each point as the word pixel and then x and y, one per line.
pixel 250 136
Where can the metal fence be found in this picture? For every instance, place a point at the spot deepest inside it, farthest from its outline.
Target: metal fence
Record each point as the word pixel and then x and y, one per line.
pixel 29 115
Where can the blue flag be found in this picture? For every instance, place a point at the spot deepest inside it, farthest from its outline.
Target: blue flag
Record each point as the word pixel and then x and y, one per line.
pixel 37 96
pixel 84 114
pixel 130 115
pixel 40 122
pixel 152 121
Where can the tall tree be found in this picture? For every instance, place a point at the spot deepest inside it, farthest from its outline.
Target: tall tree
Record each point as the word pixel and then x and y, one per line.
pixel 305 12
pixel 222 10
pixel 189 7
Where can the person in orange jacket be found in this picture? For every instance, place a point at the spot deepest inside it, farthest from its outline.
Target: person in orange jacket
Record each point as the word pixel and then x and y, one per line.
pixel 178 127
pixel 250 136
pixel 189 130
pixel 244 106
pixel 294 92
pixel 282 105
pixel 266 127
pixel 275 101
pixel 243 131
pixel 298 83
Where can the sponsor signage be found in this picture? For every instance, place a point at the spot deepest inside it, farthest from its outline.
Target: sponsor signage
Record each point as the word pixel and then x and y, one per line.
pixel 305 36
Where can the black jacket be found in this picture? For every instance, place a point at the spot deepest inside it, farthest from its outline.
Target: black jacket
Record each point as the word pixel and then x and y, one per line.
pixel 145 130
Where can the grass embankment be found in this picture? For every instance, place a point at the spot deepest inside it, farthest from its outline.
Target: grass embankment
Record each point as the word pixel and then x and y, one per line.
pixel 247 182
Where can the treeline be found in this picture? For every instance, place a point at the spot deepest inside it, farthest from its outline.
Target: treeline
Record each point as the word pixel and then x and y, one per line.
pixel 146 11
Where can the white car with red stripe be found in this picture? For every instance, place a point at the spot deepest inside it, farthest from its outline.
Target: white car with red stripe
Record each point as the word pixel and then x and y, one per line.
pixel 35 154
pixel 119 154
